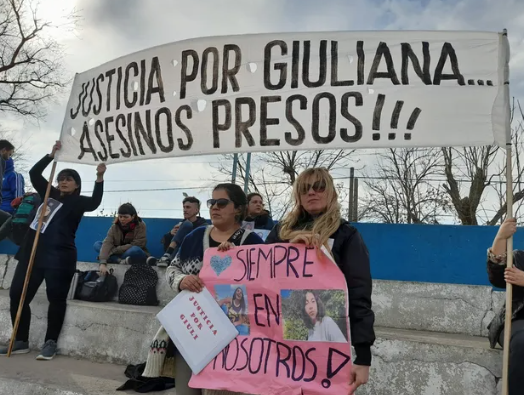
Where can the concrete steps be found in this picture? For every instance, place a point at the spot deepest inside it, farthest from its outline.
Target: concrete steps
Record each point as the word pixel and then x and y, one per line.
pixel 406 362
pixel 431 338
pixel 449 308
pixel 164 292
pixel 103 332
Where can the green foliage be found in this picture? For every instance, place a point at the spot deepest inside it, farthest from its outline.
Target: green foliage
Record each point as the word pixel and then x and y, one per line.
pixel 294 329
pixel 292 307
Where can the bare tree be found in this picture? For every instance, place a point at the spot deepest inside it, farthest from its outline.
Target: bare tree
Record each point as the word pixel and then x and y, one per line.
pixel 272 174
pixel 468 169
pixel 472 174
pixel 401 189
pixel 30 60
pixel 500 208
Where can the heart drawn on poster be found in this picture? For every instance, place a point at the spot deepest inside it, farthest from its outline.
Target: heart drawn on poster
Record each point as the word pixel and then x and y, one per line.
pixel 219 264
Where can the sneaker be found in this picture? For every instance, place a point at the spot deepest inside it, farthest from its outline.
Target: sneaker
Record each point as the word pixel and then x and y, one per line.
pixel 151 261
pixel 164 261
pixel 20 347
pixel 48 351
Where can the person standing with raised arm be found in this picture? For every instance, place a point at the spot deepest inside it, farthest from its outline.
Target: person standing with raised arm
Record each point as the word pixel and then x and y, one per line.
pixel 56 255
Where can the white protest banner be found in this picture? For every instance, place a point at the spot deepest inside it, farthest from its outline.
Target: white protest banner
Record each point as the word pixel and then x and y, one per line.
pixel 291 91
pixel 198 327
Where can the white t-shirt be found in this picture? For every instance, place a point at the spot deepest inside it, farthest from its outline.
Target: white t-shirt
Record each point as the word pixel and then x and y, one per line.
pixel 326 331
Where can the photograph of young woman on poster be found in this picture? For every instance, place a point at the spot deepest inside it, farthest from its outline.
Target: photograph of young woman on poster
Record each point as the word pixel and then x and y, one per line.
pixel 314 315
pixel 234 306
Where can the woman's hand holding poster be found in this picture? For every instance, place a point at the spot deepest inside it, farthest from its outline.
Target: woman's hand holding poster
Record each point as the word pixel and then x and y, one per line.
pixel 289 306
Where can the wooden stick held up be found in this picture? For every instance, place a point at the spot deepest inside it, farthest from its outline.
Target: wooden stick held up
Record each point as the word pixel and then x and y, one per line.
pixel 31 261
pixel 509 262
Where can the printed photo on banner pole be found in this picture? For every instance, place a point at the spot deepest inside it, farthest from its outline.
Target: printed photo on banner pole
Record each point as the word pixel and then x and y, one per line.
pixel 290 91
pixel 289 305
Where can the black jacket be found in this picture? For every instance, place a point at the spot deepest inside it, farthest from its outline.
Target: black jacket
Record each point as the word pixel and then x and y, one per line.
pixel 168 237
pixel 496 278
pixel 199 222
pixel 262 221
pixel 352 256
pixel 56 246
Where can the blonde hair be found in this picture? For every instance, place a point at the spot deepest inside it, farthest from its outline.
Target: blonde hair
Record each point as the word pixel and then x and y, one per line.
pixel 323 226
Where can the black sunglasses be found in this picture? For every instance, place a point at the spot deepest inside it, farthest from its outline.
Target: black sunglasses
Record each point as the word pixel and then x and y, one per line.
pixel 220 203
pixel 318 187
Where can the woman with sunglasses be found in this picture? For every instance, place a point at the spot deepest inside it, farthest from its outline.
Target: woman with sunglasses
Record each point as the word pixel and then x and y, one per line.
pixel 55 260
pixel 315 220
pixel 227 210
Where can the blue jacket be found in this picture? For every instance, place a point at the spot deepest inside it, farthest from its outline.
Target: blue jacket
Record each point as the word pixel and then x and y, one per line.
pixel 12 186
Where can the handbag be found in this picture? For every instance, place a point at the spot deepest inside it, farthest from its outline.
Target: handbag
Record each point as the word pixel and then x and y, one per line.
pixel 92 287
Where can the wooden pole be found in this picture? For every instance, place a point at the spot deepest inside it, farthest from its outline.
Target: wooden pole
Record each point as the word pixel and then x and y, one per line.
pixel 31 260
pixel 509 262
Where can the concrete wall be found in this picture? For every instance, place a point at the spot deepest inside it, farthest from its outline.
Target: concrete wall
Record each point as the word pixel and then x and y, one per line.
pixel 422 253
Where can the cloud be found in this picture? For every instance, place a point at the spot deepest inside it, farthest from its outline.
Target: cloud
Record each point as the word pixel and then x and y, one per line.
pixel 110 29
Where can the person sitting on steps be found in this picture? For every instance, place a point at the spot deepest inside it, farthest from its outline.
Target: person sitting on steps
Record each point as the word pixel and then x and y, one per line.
pixel 192 220
pixel 125 238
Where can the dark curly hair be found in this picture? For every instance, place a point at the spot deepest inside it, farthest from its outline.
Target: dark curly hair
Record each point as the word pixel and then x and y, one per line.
pixel 321 310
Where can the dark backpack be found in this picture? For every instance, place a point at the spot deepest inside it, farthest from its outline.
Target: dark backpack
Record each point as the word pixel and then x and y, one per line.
pixel 92 287
pixel 139 286
pixel 23 216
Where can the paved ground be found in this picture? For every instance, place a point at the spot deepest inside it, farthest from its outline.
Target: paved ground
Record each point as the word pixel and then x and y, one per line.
pixel 23 375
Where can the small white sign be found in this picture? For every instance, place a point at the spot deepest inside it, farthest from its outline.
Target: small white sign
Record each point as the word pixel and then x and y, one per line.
pixel 198 327
pixel 263 233
pixel 248 225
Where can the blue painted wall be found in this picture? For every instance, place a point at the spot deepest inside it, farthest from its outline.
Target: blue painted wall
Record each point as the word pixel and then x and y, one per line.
pixel 427 253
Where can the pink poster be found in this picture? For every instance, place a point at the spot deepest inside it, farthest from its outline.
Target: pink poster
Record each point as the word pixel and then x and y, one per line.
pixel 290 309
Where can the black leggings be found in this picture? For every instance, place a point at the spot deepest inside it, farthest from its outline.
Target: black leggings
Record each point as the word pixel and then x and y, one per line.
pixel 57 283
pixel 516 357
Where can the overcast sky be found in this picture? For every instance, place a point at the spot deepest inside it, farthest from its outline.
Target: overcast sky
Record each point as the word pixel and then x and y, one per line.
pixel 111 28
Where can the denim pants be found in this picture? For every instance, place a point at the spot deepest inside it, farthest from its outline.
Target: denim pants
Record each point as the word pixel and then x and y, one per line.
pixel 132 251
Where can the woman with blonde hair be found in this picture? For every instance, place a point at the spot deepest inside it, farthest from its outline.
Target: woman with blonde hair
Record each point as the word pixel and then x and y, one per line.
pixel 315 220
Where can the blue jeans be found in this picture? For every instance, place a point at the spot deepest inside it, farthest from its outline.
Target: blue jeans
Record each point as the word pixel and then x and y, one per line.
pixel 185 229
pixel 133 251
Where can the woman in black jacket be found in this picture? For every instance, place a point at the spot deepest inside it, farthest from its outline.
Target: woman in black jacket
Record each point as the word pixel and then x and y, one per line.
pixel 55 260
pixel 315 220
